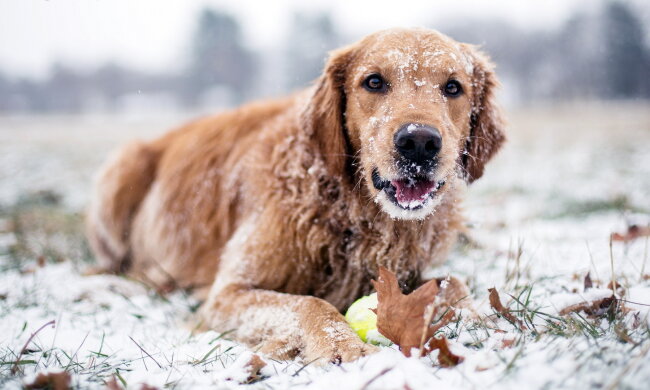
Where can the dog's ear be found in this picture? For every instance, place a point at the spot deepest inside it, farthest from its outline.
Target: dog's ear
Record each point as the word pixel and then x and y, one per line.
pixel 323 117
pixel 486 123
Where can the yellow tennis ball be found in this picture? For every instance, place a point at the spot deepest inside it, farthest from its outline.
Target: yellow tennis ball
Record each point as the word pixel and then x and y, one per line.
pixel 364 321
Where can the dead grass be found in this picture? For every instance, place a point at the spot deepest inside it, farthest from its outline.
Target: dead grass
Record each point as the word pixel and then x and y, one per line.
pixel 44 230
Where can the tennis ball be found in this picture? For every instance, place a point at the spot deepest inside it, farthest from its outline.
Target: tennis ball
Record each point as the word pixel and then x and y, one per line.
pixel 364 321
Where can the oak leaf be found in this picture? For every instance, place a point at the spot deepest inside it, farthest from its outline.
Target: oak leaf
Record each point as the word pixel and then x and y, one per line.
pixel 407 320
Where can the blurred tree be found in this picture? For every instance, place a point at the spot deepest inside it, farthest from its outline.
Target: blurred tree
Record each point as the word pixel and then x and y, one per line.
pixel 218 57
pixel 63 92
pixel 519 55
pixel 597 54
pixel 625 62
pixel 113 81
pixel 6 91
pixel 578 56
pixel 311 36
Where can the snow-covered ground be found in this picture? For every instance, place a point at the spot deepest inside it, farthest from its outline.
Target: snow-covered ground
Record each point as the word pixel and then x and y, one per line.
pixel 540 219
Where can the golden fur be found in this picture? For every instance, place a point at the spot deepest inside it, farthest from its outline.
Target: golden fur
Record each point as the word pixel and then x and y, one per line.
pixel 269 211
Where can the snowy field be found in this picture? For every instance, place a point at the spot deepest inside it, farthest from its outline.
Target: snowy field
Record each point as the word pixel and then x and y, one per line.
pixel 540 221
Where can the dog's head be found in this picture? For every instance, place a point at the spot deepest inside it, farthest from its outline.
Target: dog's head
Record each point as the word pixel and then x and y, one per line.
pixel 414 109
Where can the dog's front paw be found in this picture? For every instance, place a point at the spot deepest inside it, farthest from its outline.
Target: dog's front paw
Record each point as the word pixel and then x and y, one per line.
pixel 320 351
pixel 337 350
pixel 349 353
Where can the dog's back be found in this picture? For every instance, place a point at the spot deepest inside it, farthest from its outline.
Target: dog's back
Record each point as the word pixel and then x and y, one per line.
pixel 173 177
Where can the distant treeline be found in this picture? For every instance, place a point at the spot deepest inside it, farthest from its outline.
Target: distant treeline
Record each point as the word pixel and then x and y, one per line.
pixel 598 54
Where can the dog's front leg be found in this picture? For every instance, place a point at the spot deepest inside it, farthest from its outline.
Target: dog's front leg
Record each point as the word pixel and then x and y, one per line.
pixel 249 297
pixel 284 325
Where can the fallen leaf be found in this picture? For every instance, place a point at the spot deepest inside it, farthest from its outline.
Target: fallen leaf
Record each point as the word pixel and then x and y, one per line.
pixel 253 368
pixel 406 320
pixel 588 283
pixel 51 380
pixel 495 303
pixel 619 289
pixel 113 385
pixel 445 356
pixel 507 343
pixel 596 308
pixel 633 232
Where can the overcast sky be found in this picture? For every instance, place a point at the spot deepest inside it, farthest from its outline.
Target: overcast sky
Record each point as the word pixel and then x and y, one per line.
pixel 153 34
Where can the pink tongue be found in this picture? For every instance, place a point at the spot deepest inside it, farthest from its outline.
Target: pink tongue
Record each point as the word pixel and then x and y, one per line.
pixel 409 191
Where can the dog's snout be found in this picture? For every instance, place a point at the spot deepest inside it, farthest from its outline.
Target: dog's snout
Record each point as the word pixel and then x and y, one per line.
pixel 418 143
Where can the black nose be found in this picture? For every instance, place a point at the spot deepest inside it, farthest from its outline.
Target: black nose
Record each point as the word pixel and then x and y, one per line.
pixel 418 143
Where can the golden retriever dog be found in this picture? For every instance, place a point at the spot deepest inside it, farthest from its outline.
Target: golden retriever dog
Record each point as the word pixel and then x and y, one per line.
pixel 280 213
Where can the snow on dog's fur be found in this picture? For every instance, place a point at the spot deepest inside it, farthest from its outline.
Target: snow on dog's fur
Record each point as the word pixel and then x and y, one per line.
pixel 280 212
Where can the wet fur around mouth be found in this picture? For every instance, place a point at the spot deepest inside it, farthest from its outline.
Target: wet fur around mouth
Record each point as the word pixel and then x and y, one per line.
pixel 391 189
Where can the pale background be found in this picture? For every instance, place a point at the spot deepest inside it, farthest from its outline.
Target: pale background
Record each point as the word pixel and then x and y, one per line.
pixel 149 56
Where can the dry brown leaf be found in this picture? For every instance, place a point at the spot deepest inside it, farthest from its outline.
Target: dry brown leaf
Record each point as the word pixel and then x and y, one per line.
pixel 51 380
pixel 113 385
pixel 507 343
pixel 595 308
pixel 633 232
pixel 619 288
pixel 588 283
pixel 446 358
pixel 406 319
pixel 148 387
pixel 495 303
pixel 252 367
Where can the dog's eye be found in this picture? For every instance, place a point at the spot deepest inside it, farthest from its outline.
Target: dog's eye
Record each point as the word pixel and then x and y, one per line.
pixel 374 83
pixel 453 88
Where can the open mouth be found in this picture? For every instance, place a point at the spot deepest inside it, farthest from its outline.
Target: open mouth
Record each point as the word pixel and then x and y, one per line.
pixel 409 193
